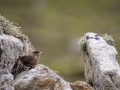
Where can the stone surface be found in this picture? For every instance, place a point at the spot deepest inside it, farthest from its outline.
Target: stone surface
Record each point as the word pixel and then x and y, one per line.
pixel 10 49
pixel 102 69
pixel 43 78
pixel 79 85
pixel 40 78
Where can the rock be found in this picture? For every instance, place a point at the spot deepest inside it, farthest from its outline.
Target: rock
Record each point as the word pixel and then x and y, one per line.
pixel 102 70
pixel 10 48
pixel 40 78
pixel 79 85
pixel 13 43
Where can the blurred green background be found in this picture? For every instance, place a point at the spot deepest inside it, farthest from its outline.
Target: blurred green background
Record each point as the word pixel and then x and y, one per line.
pixel 54 27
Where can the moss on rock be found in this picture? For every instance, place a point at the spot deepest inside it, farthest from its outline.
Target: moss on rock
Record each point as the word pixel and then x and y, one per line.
pixel 82 44
pixel 9 28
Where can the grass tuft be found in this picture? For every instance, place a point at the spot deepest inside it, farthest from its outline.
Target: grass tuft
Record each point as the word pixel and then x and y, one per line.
pixel 109 39
pixel 82 44
pixel 9 28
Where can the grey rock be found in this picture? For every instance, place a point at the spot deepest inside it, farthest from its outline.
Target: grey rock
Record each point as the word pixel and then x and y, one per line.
pixel 102 70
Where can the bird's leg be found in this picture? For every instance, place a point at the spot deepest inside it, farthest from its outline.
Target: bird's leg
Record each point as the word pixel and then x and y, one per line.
pixel 31 66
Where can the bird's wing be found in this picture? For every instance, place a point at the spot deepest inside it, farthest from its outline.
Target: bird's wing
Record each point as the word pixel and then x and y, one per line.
pixel 27 58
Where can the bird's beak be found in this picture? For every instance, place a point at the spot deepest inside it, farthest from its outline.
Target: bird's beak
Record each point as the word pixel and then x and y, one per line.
pixel 41 52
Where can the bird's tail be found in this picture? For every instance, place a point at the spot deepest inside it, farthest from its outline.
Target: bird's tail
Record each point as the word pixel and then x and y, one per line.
pixel 19 57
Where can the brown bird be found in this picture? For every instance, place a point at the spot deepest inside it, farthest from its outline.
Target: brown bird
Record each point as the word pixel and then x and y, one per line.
pixel 30 59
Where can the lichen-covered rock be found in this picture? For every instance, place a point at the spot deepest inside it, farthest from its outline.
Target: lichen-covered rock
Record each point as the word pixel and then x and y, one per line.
pixel 10 49
pixel 12 44
pixel 79 85
pixel 40 78
pixel 6 80
pixel 102 70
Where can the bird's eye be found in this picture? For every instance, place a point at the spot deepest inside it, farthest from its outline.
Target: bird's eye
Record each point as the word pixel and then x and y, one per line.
pixel 36 52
